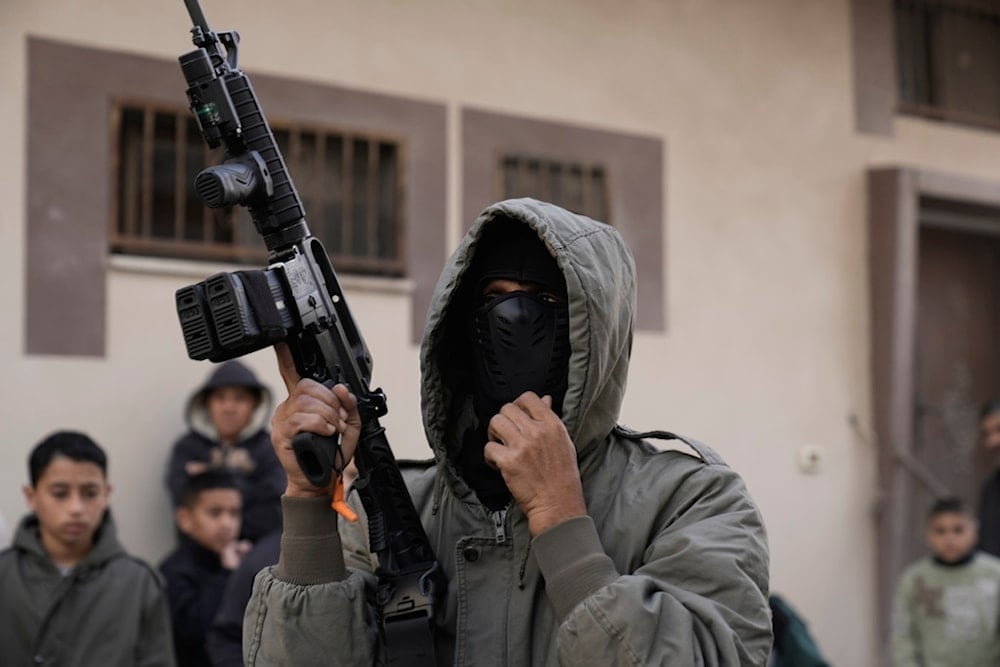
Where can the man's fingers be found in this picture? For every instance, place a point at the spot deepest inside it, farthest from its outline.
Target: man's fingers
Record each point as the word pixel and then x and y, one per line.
pixel 286 366
pixel 313 423
pixel 348 404
pixel 494 454
pixel 502 425
pixel 535 407
pixel 315 409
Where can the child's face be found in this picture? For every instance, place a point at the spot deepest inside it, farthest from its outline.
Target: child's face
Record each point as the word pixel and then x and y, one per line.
pixel 951 535
pixel 989 432
pixel 214 520
pixel 69 499
pixel 230 409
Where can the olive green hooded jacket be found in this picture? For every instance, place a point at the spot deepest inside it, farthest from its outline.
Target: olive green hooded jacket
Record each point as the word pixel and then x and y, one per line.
pixel 669 568
pixel 111 610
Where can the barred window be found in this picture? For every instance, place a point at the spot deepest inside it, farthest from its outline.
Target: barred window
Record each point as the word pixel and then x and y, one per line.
pixel 575 186
pixel 948 54
pixel 350 185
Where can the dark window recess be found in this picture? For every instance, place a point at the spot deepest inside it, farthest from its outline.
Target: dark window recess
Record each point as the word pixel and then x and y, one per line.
pixel 350 185
pixel 948 55
pixel 582 188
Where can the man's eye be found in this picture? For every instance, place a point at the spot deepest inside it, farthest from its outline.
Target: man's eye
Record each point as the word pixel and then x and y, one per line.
pixel 548 297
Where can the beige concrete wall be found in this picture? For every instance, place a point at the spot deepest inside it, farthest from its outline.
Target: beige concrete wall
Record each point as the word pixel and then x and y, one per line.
pixel 766 348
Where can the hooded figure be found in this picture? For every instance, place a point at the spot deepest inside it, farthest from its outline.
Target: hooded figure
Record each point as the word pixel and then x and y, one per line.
pixel 663 558
pixel 232 438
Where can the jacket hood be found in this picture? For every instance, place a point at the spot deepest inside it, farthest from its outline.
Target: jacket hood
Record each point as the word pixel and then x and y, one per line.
pixel 600 286
pixel 106 544
pixel 228 374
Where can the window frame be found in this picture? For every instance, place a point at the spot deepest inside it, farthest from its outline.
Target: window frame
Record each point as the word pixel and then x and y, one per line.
pixel 237 252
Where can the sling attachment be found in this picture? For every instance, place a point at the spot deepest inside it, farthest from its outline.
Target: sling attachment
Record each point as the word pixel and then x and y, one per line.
pixel 408 615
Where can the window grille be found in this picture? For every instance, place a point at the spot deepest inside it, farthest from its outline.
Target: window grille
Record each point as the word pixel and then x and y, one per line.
pixel 582 188
pixel 948 59
pixel 350 185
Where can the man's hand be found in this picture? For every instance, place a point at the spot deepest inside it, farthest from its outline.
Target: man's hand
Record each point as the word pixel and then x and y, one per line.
pixel 530 447
pixel 311 407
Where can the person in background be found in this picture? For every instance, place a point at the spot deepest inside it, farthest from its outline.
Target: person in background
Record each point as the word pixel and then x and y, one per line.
pixel 794 645
pixel 947 606
pixel 69 593
pixel 224 641
pixel 989 497
pixel 226 420
pixel 199 568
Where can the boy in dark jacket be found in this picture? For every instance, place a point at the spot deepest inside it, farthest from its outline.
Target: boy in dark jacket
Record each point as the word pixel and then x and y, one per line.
pixel 198 569
pixel 226 419
pixel 71 596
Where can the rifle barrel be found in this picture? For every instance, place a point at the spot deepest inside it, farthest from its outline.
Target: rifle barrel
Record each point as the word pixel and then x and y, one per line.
pixel 197 16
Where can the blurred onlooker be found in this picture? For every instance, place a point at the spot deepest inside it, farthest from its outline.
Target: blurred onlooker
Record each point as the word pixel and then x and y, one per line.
pixel 198 569
pixel 989 498
pixel 225 637
pixel 69 593
pixel 793 645
pixel 947 605
pixel 227 419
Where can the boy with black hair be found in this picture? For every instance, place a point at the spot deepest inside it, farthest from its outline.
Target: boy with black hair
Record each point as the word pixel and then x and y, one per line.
pixel 947 605
pixel 208 519
pixel 71 595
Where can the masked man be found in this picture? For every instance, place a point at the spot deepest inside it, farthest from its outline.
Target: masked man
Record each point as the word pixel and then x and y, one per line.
pixel 563 537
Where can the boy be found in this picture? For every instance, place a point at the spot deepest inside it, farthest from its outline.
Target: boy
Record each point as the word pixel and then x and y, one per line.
pixel 196 572
pixel 71 595
pixel 226 419
pixel 946 609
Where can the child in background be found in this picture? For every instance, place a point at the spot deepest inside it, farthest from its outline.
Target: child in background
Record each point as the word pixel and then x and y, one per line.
pixel 946 608
pixel 989 497
pixel 69 594
pixel 197 571
pixel 227 419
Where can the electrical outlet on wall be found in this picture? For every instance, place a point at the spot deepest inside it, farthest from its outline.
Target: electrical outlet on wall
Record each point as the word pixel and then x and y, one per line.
pixel 811 459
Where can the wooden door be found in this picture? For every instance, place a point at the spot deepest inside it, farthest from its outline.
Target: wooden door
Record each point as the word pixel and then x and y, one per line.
pixel 956 365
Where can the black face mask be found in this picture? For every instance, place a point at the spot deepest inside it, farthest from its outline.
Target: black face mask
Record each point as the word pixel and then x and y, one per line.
pixel 520 343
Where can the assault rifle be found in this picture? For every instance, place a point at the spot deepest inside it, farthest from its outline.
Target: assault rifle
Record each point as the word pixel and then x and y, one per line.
pixel 297 299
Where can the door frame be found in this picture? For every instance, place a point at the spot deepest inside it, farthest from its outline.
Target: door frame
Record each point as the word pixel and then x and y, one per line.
pixel 897 211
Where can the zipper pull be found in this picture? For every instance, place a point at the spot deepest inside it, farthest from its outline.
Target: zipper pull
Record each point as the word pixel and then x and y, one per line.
pixel 499 518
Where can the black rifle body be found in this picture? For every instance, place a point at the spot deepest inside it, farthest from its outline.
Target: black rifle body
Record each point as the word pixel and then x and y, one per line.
pixel 298 300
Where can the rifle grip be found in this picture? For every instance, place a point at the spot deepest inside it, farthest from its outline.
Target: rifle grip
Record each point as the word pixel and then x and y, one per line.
pixel 317 457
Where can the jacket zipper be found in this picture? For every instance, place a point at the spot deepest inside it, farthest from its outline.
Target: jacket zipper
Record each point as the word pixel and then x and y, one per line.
pixel 499 519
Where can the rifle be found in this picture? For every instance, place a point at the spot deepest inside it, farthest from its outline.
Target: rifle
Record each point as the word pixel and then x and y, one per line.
pixel 297 299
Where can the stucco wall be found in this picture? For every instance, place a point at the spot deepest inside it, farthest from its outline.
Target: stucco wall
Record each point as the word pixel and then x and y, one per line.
pixel 766 348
